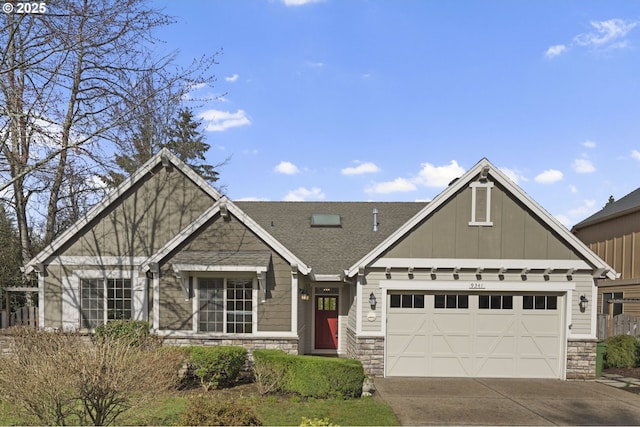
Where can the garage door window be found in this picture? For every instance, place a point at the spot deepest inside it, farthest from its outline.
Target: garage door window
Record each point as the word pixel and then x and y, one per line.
pixel 495 302
pixel 407 301
pixel 451 301
pixel 540 302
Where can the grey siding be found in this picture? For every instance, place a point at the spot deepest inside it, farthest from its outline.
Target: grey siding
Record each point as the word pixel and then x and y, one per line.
pixel 145 218
pixel 515 234
pixel 221 235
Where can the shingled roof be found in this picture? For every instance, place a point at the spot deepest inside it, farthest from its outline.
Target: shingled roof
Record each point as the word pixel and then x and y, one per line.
pixel 626 205
pixel 330 249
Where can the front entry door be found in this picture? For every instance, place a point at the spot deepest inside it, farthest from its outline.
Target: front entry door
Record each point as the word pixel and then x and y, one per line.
pixel 326 330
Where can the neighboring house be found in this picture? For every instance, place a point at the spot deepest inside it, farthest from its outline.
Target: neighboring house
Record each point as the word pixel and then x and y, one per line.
pixel 480 282
pixel 614 234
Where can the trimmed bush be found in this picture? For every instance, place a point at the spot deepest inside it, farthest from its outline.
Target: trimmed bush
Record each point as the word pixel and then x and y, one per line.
pixel 622 352
pixel 204 410
pixel 308 376
pixel 136 332
pixel 217 365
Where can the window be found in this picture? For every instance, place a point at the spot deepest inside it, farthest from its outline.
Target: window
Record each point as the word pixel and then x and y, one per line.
pixel 495 302
pixel 617 307
pixel 451 301
pixel 102 300
pixel 225 305
pixel 407 301
pixel 540 302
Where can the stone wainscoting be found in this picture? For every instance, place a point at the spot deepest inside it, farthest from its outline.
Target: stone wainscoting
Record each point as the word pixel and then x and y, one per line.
pixel 369 350
pixel 288 345
pixel 581 359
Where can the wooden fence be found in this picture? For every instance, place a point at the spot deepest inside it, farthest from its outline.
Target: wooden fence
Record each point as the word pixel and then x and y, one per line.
pixel 25 316
pixel 623 324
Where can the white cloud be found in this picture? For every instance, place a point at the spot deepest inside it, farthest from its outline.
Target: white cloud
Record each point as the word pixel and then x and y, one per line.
pixel 635 154
pixel 217 121
pixel 573 189
pixel 286 168
pixel 302 194
pixel 299 2
pixel 606 32
pixel 555 50
pixel 589 144
pixel 549 177
pixel 398 185
pixel 439 176
pixel 312 64
pixel 583 166
pixel 232 78
pixel 362 168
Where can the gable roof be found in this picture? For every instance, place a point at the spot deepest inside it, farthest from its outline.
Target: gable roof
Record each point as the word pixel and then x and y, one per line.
pixel 626 205
pixel 165 157
pixel 487 167
pixel 224 204
pixel 330 250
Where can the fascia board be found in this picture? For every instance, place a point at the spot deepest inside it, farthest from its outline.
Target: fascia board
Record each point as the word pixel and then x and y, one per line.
pixel 181 236
pixel 113 195
pixel 268 238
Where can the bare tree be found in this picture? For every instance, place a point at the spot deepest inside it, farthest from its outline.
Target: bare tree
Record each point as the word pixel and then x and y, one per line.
pixel 64 95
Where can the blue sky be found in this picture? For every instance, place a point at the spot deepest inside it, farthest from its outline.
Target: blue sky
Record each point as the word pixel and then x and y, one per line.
pixel 378 100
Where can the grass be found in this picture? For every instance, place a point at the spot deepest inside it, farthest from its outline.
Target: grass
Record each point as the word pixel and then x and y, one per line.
pixel 272 410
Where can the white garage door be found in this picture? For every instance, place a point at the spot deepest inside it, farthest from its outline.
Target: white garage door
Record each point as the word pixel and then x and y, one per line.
pixel 474 335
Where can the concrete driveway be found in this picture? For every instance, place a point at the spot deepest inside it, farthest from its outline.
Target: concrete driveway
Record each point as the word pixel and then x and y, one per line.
pixel 462 401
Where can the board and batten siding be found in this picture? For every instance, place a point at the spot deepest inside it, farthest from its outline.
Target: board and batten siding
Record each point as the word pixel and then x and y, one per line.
pixel 515 233
pixel 274 315
pixel 157 208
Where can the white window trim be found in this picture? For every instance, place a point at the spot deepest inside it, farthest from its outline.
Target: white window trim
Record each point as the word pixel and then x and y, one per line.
pixel 71 294
pixel 196 303
pixel 474 187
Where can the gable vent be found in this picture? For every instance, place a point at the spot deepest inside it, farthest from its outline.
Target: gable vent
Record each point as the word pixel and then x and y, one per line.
pixel 326 220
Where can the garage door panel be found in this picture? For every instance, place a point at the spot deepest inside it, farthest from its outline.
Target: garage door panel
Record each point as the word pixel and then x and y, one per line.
pixel 507 341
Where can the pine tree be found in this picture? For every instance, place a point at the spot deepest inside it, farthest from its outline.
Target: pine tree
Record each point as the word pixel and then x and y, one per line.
pixel 186 141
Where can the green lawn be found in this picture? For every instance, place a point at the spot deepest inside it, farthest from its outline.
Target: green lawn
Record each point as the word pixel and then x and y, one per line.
pixel 271 410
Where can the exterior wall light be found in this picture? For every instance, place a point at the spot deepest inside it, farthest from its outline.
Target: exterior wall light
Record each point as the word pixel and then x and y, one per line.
pixel 372 301
pixel 584 302
pixel 304 296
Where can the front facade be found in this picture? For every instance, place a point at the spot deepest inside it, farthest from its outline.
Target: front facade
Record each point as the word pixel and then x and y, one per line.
pixel 614 234
pixel 480 282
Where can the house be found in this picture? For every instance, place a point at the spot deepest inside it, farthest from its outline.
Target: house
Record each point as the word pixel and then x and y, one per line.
pixel 479 282
pixel 614 234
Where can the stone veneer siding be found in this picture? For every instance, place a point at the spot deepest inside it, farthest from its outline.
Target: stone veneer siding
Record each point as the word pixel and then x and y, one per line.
pixel 581 359
pixel 289 346
pixel 369 350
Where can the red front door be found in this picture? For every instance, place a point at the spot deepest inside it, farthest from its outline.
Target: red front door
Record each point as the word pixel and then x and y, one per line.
pixel 326 322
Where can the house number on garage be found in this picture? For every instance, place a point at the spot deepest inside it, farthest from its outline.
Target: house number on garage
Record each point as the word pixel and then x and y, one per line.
pixel 476 286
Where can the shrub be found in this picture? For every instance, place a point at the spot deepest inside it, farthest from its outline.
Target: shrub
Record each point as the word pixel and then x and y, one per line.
pixel 316 422
pixel 203 410
pixel 215 366
pixel 65 378
pixel 309 376
pixel 622 351
pixel 269 370
pixel 135 332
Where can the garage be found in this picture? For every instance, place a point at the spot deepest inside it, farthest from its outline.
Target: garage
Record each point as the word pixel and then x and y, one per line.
pixel 461 334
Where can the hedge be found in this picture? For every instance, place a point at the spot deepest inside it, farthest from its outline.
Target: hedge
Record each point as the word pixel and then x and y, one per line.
pixel 308 376
pixel 216 365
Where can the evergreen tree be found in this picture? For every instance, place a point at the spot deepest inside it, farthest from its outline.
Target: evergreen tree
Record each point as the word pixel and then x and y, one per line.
pixel 186 141
pixel 610 201
pixel 9 251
